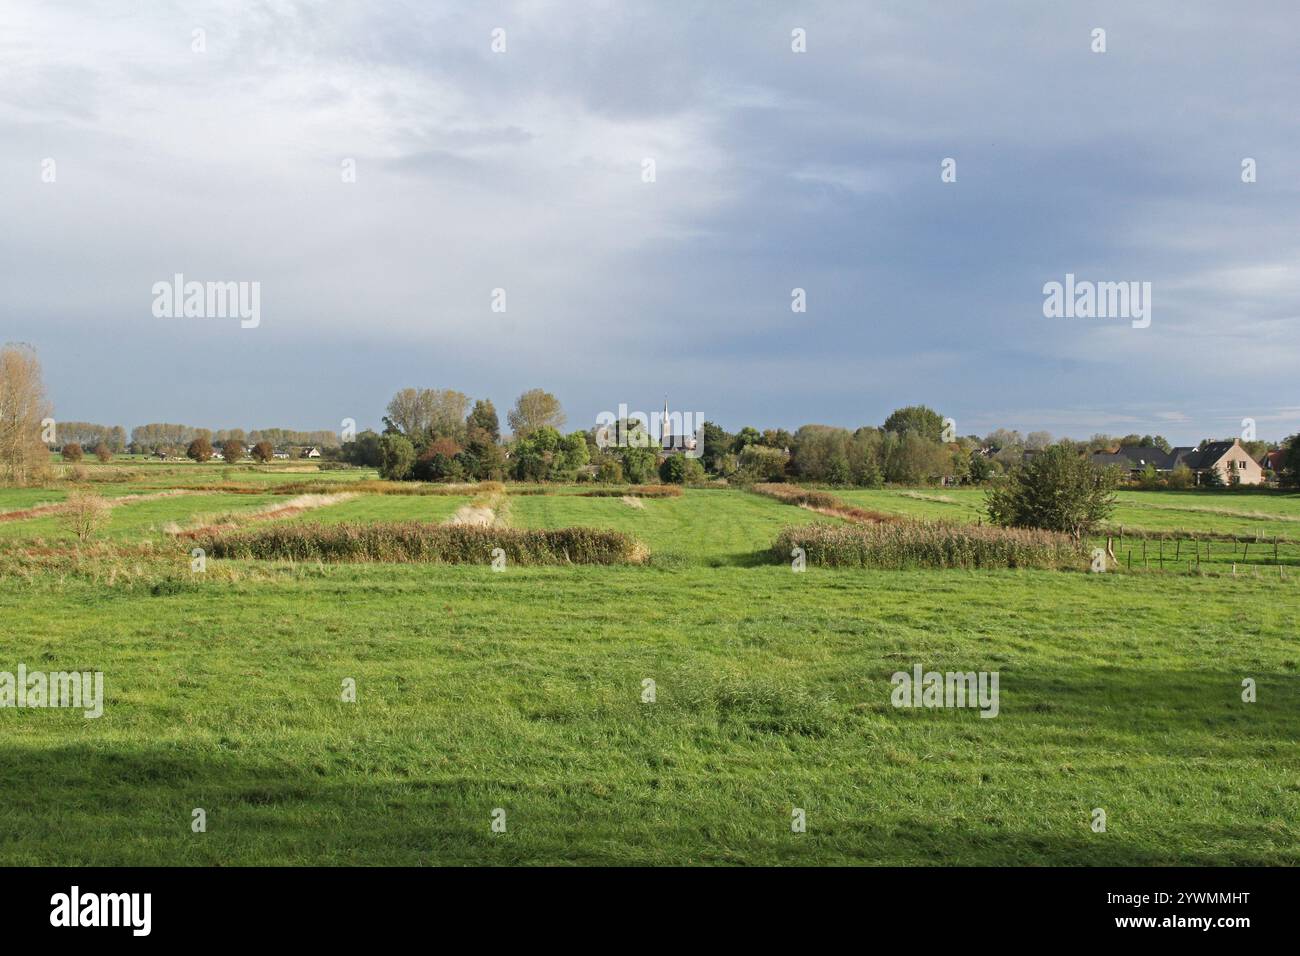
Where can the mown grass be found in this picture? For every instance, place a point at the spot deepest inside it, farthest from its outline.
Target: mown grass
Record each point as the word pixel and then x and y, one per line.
pixel 1224 512
pixel 135 521
pixel 710 527
pixel 523 690
pixel 371 508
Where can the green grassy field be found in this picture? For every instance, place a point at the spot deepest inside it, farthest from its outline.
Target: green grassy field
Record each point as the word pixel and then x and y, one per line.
pixel 707 527
pixel 523 690
pixel 1167 512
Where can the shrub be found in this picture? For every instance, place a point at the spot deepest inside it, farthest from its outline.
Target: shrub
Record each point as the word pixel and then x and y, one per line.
pixel 914 544
pixel 610 472
pixel 680 470
pixel 71 452
pixel 414 541
pixel 639 464
pixel 84 513
pixel 263 451
pixel 103 452
pixel 760 463
pixel 232 451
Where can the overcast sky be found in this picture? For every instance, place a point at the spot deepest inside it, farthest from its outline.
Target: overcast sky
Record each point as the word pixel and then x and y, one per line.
pixel 523 170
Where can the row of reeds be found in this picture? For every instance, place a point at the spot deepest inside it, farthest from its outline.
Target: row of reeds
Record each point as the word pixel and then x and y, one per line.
pixel 414 541
pixel 899 545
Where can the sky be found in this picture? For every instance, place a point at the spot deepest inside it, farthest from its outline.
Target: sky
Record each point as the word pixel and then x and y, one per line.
pixel 133 148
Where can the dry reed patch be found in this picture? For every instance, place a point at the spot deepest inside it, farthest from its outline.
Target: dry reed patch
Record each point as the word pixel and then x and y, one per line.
pixel 821 502
pixel 268 512
pixel 485 511
pixel 59 507
pixel 636 491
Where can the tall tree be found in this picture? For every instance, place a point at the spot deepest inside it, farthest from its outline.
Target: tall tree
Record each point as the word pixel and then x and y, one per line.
pixel 917 419
pixel 23 405
pixel 484 417
pixel 533 410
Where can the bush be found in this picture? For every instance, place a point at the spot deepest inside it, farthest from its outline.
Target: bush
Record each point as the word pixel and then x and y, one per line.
pixel 103 452
pixel 199 450
pixel 610 473
pixel 414 541
pixel 639 464
pixel 263 451
pixel 84 513
pixel 71 452
pixel 913 544
pixel 680 470
pixel 760 463
pixel 232 451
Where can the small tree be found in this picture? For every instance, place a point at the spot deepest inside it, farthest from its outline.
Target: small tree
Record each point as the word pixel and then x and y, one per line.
pixel 84 513
pixel 103 452
pixel 638 464
pixel 610 472
pixel 396 456
pixel 981 469
pixel 72 452
pixel 1210 478
pixel 1059 490
pixel 232 451
pixel 200 450
pixel 263 451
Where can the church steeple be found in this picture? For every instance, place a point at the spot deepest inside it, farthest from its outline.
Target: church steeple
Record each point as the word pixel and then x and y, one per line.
pixel 665 433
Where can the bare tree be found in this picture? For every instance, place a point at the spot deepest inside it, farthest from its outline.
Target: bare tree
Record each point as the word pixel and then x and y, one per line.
pixel 23 405
pixel 85 513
